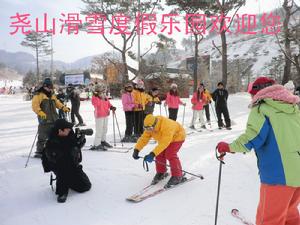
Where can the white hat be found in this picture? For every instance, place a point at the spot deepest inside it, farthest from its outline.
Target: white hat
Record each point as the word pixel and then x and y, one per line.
pixel 290 86
pixel 173 85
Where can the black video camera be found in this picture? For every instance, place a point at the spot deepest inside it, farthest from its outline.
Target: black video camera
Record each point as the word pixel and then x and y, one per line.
pixel 80 136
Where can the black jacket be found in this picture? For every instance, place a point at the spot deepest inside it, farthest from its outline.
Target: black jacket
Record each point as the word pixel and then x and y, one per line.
pixel 62 152
pixel 220 97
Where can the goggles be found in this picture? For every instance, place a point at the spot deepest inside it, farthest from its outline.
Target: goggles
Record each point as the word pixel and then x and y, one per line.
pixel 149 128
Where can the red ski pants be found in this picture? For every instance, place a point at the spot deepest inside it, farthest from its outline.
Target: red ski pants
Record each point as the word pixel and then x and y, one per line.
pixel 170 154
pixel 278 205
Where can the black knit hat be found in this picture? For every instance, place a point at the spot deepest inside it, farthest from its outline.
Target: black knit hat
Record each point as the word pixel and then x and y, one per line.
pixel 48 83
pixel 62 124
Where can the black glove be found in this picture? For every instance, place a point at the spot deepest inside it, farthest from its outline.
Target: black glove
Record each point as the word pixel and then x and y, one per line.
pixel 135 154
pixel 112 108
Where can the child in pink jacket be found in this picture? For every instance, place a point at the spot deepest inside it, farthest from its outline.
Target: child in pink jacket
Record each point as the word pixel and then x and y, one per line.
pixel 173 101
pixel 102 109
pixel 198 100
pixel 128 105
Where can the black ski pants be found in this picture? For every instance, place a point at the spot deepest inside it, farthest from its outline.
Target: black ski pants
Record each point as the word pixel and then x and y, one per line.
pixel 129 122
pixel 75 112
pixel 223 110
pixel 74 178
pixel 173 114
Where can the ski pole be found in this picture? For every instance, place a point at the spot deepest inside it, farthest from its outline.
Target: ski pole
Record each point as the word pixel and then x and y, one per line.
pixel 114 132
pixel 183 115
pixel 213 112
pixel 166 111
pixel 145 165
pixel 31 150
pixel 220 158
pixel 118 128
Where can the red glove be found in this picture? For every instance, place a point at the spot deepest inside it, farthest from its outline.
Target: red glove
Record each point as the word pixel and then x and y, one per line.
pixel 223 147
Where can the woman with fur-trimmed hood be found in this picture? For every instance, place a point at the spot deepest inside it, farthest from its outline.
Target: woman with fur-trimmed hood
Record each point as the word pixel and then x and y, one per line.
pixel 273 131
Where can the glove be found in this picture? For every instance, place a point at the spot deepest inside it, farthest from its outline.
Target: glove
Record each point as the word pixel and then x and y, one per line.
pixel 42 115
pixel 66 109
pixel 150 157
pixel 135 154
pixel 209 101
pixel 223 147
pixel 112 108
pixel 158 103
pixel 184 104
pixel 140 106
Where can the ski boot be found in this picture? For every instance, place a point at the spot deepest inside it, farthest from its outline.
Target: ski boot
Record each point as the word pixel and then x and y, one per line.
pixel 106 144
pixel 62 198
pixel 192 127
pixel 125 139
pixel 203 127
pixel 100 148
pixel 37 155
pixel 158 177
pixel 228 128
pixel 174 181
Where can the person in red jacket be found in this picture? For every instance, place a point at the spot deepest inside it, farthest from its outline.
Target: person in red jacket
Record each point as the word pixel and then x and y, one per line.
pixel 198 100
pixel 173 101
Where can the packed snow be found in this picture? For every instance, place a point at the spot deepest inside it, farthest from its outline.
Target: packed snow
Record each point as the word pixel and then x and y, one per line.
pixel 26 196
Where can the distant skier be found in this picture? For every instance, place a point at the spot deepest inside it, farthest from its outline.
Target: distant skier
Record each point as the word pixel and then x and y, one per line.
pixel 273 131
pixel 170 136
pixel 44 104
pixel 198 100
pixel 173 101
pixel 220 96
pixel 73 95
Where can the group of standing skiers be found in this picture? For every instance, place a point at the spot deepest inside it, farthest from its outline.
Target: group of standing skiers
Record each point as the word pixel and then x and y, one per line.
pixel 272 131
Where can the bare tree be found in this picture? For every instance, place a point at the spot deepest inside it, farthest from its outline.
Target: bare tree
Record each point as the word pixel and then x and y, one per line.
pixel 39 42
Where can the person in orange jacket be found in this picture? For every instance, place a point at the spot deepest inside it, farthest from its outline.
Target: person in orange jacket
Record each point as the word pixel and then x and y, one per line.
pixel 170 136
pixel 139 99
pixel 207 102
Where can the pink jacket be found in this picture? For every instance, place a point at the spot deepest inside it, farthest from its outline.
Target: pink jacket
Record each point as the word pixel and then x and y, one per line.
pixel 198 105
pixel 102 107
pixel 127 101
pixel 173 101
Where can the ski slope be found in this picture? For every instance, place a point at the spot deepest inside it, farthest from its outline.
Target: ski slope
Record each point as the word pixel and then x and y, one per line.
pixel 27 199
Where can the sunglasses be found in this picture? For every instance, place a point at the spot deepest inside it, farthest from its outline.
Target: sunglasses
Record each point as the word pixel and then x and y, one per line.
pixel 261 86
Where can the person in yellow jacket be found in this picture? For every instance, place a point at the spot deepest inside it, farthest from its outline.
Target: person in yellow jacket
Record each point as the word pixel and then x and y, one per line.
pixel 206 105
pixel 44 104
pixel 152 99
pixel 170 136
pixel 139 100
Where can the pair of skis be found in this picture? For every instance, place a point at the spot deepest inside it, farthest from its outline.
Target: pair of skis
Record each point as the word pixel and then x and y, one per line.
pixel 156 189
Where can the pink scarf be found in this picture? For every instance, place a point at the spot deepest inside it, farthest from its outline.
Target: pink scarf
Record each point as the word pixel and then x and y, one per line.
pixel 276 92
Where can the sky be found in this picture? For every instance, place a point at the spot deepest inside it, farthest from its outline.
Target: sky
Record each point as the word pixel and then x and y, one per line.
pixel 69 48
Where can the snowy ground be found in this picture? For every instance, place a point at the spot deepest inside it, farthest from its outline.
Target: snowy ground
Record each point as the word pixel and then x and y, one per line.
pixel 26 197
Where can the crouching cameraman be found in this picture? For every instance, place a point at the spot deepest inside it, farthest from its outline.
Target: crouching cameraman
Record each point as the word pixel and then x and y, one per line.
pixel 62 155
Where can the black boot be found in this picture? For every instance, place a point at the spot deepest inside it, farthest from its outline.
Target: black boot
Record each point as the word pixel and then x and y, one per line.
pixel 158 177
pixel 106 144
pixel 174 181
pixel 100 148
pixel 62 198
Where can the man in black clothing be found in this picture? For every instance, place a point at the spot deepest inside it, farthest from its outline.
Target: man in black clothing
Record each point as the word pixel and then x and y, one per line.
pixel 62 155
pixel 62 98
pixel 220 97
pixel 73 95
